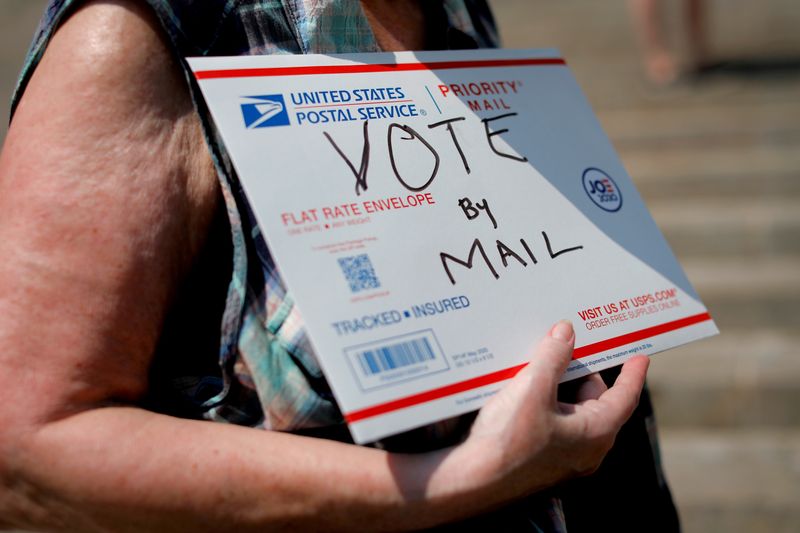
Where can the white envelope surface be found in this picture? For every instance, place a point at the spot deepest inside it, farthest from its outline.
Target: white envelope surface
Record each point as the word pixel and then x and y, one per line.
pixel 434 213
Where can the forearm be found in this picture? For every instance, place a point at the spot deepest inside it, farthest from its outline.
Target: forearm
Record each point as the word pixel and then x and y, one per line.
pixel 124 469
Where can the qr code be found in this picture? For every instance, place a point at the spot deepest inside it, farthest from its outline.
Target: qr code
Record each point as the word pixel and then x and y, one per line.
pixel 359 273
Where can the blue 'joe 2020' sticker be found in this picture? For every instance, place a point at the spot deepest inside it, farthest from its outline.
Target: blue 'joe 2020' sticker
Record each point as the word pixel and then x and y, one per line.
pixel 602 190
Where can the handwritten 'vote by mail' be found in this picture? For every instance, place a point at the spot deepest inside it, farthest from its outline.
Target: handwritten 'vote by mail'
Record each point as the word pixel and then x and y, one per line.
pixel 433 214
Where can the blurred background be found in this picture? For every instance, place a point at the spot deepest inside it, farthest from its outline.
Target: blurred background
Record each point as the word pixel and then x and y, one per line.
pixel 716 155
pixel 715 150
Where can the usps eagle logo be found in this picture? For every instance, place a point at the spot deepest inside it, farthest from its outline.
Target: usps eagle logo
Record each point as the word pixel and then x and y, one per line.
pixel 264 111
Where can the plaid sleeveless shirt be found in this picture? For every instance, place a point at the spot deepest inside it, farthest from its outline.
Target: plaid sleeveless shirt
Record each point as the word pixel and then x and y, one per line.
pixel 270 376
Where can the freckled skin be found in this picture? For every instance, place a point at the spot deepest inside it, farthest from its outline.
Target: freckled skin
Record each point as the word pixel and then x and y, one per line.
pixel 101 223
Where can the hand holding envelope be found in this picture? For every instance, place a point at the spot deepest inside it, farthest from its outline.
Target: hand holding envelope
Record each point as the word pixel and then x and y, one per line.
pixel 528 440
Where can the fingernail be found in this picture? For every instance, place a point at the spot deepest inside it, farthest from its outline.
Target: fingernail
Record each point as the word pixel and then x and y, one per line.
pixel 563 331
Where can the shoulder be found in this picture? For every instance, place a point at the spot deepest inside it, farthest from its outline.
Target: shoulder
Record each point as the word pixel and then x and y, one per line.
pixel 103 44
pixel 108 94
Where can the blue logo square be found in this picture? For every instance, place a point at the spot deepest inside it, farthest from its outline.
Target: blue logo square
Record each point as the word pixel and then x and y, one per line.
pixel 265 111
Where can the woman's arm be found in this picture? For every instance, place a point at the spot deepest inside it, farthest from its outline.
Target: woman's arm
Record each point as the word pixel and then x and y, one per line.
pixel 106 195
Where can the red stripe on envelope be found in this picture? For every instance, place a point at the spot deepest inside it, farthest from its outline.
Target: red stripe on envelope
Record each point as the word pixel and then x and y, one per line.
pixel 434 394
pixel 360 68
pixel 614 342
pixel 495 377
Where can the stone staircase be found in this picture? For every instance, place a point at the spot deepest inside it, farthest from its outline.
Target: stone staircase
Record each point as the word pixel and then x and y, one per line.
pixel 718 163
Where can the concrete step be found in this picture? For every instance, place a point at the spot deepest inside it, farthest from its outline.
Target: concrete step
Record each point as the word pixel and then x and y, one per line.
pixel 598 29
pixel 732 184
pixel 710 124
pixel 745 278
pixel 741 378
pixel 741 292
pixel 597 39
pixel 734 481
pixel 602 81
pixel 731 228
pixel 751 160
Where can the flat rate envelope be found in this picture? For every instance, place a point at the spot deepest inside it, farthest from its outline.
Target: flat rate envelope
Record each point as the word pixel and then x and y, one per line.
pixel 433 214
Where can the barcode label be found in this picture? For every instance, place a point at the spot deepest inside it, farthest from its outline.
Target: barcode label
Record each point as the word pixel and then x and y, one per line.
pixel 389 361
pixel 396 356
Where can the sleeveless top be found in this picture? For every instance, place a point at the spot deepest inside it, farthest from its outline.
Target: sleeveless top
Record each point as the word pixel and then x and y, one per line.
pixel 268 376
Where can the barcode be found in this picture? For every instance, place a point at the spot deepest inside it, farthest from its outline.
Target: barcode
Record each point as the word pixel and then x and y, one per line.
pixel 393 360
pixel 393 356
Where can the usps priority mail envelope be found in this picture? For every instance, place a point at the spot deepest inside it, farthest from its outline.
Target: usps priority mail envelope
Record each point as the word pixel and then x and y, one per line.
pixel 433 214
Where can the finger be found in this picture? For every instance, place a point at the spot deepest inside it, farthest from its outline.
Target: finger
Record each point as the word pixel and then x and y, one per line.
pixel 619 401
pixel 591 388
pixel 606 415
pixel 550 361
pixel 587 388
